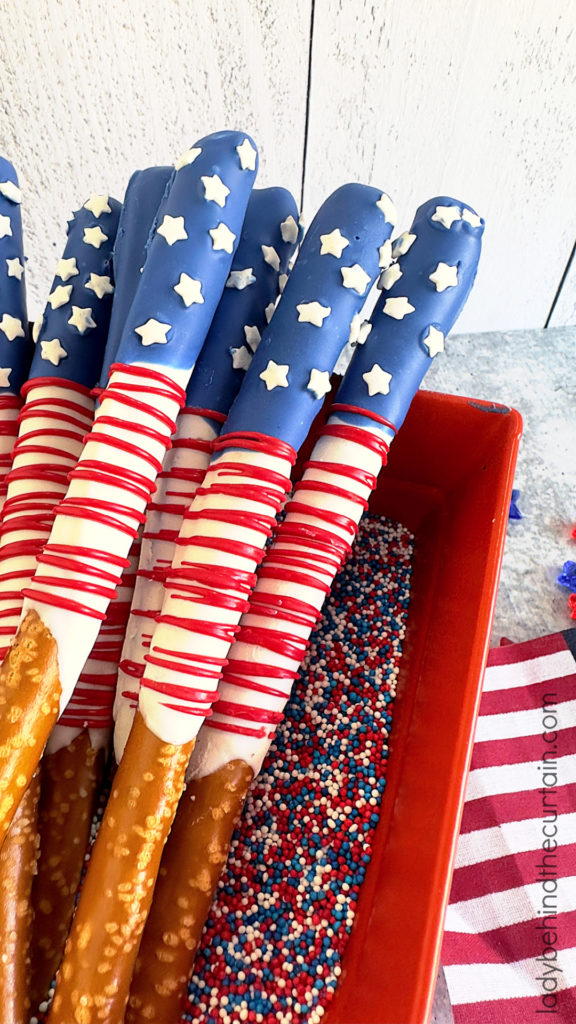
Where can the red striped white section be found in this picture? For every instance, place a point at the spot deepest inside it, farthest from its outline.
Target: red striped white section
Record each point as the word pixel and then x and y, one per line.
pixel 102 511
pixel 10 406
pixel 314 538
pixel 51 428
pixel 183 471
pixel 509 950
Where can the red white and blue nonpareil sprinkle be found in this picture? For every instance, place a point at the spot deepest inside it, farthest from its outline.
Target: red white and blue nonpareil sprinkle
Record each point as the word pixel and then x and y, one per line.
pixel 279 924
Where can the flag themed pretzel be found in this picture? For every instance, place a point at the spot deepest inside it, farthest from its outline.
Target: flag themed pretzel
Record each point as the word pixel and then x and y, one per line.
pixel 269 236
pixel 207 587
pixel 406 330
pixel 99 518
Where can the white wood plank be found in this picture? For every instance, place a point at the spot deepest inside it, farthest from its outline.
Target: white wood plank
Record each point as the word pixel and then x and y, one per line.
pixel 89 92
pixel 468 98
pixel 564 312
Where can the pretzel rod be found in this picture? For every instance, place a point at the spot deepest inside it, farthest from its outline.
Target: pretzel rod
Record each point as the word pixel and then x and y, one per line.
pixel 97 521
pixel 17 865
pixel 245 485
pixel 268 239
pixel 15 342
pixel 297 572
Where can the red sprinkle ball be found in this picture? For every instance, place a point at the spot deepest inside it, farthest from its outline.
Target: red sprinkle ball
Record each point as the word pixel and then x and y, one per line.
pixel 273 943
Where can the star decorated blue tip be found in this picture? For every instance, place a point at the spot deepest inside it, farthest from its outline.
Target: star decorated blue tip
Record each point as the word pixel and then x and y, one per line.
pixel 189 254
pixel 144 194
pixel 339 259
pixel 16 346
pixel 567 577
pixel 270 234
pixel 71 335
pixel 430 273
pixel 514 512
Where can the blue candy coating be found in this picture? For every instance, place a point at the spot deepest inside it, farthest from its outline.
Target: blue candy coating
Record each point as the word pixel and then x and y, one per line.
pixel 287 412
pixel 215 381
pixel 145 191
pixel 398 345
pixel 16 346
pixel 83 344
pixel 189 211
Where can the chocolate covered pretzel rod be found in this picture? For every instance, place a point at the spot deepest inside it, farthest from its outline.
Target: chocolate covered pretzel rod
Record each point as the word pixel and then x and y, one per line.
pixel 57 413
pixel 269 237
pixel 219 547
pixel 425 290
pixel 73 764
pixel 16 346
pixel 188 262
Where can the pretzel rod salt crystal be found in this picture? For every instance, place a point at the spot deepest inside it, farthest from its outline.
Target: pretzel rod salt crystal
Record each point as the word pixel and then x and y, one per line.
pixel 73 764
pixel 15 342
pixel 99 518
pixel 429 284
pixel 219 548
pixel 269 236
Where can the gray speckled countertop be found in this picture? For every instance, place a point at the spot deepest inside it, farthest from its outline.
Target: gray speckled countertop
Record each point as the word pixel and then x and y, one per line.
pixel 535 372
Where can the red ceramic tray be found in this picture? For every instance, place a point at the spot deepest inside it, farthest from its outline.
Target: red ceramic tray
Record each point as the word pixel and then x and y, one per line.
pixel 449 480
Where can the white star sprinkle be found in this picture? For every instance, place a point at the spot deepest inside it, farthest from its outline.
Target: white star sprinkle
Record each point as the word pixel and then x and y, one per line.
pixel 36 328
pixel 387 207
pixel 377 381
pixel 313 313
pixel 385 255
pixel 282 280
pixel 445 276
pixel 67 268
pixel 98 205
pixel 11 191
pixel 94 236
pixel 81 319
pixel 214 189
pixel 5 226
pixel 188 157
pixel 275 375
pixel 253 337
pixel 153 332
pixel 241 358
pixel 271 256
pixel 189 289
pixel 172 229
pixel 247 155
pixel 402 244
pixel 389 277
pixel 446 215
pixel 222 238
pixel 355 277
pixel 289 229
pixel 52 351
pixel 333 244
pixel 12 327
pixel 269 311
pixel 5 372
pixel 100 284
pixel 15 268
pixel 434 341
pixel 240 279
pixel 359 330
pixel 60 296
pixel 319 382
pixel 398 308
pixel 471 218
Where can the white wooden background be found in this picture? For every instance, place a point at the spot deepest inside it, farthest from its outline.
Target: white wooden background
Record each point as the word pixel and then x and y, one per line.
pixel 470 98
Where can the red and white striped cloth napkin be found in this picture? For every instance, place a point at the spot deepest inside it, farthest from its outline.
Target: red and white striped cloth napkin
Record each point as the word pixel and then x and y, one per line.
pixel 509 950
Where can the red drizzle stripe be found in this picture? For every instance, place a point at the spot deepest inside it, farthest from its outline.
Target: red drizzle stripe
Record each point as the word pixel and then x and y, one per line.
pixel 144 371
pixel 336 518
pixel 249 440
pixel 261 494
pixel 206 659
pixel 10 401
pixel 44 405
pixel 267 573
pixel 364 438
pixel 108 480
pixel 289 529
pixel 58 601
pixel 251 714
pixel 193 444
pixel 232 547
pixel 185 692
pixel 226 578
pixel 326 488
pixel 31 434
pixel 61 417
pixel 215 629
pixel 116 395
pixel 85 586
pixel 68 563
pixel 127 474
pixel 283 601
pixel 279 481
pixel 249 684
pixel 58 382
pixel 120 424
pixel 246 520
pixel 111 506
pixel 201 594
pixel 78 512
pixel 193 475
pixel 210 414
pixel 95 553
pixel 132 668
pixel 242 730
pixel 291 559
pixel 124 446
pixel 190 670
pixel 359 411
pixel 273 640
